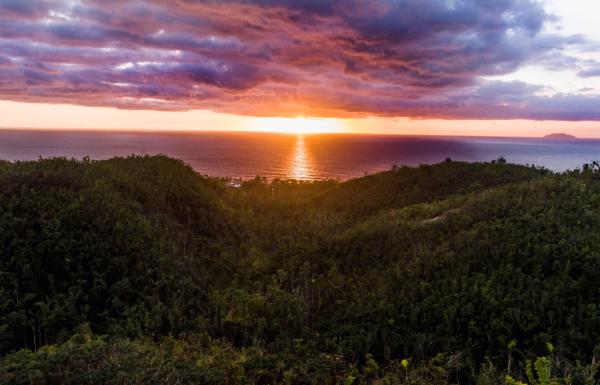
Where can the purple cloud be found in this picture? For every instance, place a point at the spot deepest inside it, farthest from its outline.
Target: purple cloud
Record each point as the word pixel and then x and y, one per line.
pixel 21 8
pixel 590 72
pixel 417 58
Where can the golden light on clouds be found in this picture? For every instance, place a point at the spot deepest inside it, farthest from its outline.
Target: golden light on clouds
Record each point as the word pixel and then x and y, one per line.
pixel 70 117
pixel 207 68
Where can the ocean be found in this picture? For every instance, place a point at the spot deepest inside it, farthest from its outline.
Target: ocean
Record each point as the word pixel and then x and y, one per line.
pixel 246 155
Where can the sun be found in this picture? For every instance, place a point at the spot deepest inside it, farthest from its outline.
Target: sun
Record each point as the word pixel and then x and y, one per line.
pixel 298 125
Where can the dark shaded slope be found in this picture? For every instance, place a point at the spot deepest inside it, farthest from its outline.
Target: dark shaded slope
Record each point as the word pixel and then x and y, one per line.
pixel 455 267
pixel 516 263
pixel 129 245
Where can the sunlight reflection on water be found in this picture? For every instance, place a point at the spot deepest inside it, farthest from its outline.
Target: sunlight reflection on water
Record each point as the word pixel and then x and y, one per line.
pixel 301 164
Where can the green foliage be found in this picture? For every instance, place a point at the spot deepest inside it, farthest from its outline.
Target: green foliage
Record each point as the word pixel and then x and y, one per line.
pixel 110 243
pixel 454 273
pixel 404 186
pixel 538 373
pixel 88 359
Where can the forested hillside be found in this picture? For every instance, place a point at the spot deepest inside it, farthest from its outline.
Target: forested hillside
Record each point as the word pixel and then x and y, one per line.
pixel 140 271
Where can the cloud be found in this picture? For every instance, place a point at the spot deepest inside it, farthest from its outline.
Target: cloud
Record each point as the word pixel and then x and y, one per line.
pixel 590 72
pixel 25 9
pixel 416 58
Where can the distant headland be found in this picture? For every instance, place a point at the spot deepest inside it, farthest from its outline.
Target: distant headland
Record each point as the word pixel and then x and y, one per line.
pixel 560 135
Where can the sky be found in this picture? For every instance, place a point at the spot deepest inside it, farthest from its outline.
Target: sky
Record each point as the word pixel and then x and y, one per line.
pixel 434 67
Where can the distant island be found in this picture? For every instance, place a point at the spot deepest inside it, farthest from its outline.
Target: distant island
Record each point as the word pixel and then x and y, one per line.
pixel 560 135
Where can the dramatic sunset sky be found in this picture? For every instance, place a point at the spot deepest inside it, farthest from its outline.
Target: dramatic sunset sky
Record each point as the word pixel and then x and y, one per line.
pixel 464 67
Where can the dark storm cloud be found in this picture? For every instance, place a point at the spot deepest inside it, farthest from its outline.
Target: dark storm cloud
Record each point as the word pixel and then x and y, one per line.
pixel 418 58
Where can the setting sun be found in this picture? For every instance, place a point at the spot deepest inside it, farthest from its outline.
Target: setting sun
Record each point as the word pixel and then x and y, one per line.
pixel 299 125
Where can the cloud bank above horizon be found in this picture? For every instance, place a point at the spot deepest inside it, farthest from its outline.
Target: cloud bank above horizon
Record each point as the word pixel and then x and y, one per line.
pixel 443 59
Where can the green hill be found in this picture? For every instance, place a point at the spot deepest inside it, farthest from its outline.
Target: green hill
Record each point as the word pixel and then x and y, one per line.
pixel 138 270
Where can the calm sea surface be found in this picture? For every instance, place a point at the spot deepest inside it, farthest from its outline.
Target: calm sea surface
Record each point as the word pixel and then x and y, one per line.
pixel 246 155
